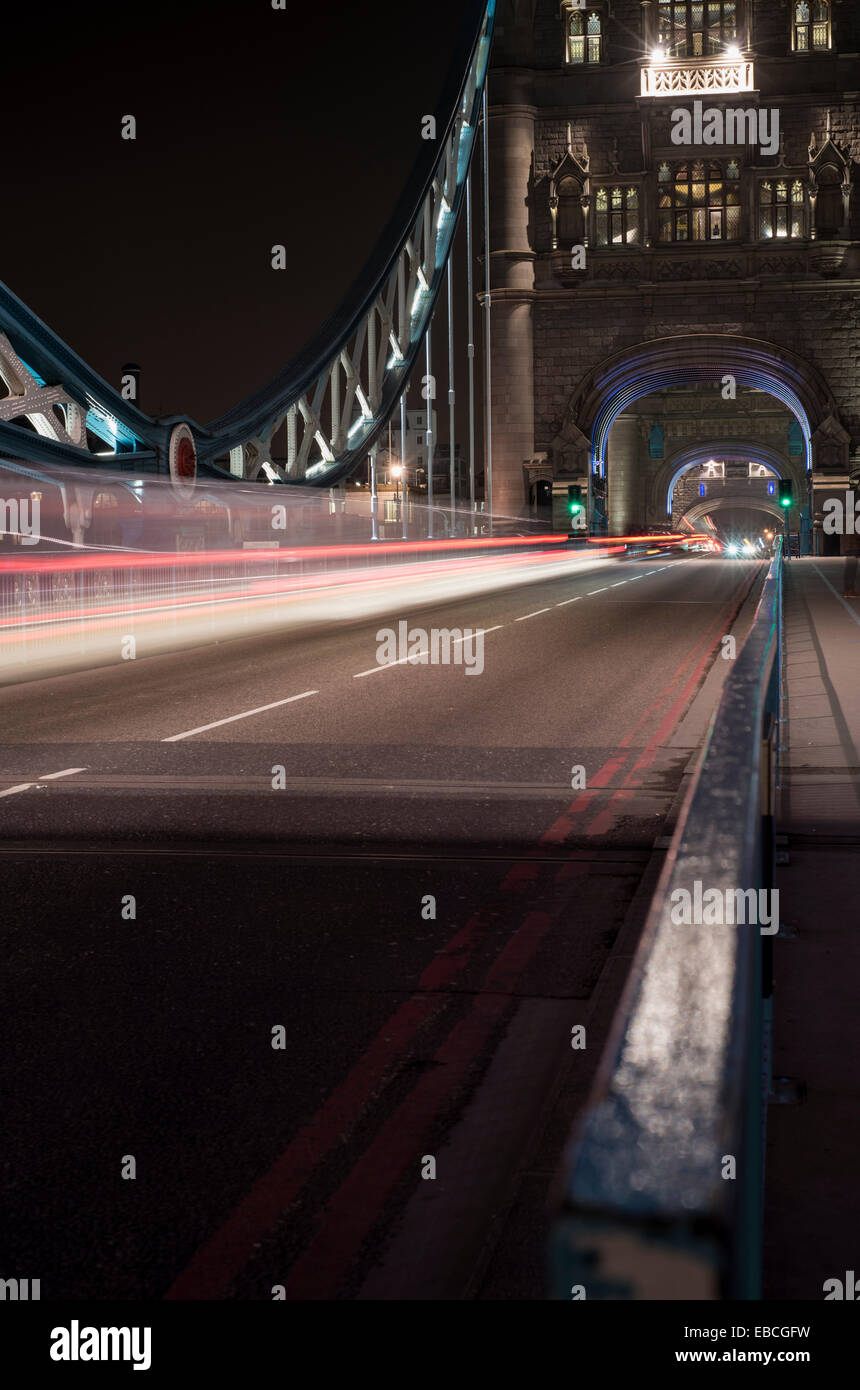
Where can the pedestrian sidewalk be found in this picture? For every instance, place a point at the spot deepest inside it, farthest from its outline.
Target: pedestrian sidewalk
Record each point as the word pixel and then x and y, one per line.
pixel 812 1197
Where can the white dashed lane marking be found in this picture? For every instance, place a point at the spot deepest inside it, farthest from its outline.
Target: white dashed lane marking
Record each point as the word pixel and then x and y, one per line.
pixel 46 777
pixel 261 709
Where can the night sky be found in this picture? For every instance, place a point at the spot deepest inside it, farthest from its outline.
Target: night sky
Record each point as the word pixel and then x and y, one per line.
pixel 254 127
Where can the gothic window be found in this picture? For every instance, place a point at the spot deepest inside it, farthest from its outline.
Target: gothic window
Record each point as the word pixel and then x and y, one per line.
pixel 616 217
pixel 781 204
pixel 585 37
pixel 699 201
pixel 811 26
pixel 570 224
pixel 690 29
pixel 829 205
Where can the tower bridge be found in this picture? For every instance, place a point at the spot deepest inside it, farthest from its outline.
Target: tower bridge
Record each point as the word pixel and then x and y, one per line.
pixel 476 881
pixel 620 265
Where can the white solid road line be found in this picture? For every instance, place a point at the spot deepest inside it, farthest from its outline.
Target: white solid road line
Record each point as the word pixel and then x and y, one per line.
pixel 46 777
pixel 261 709
pixel 536 614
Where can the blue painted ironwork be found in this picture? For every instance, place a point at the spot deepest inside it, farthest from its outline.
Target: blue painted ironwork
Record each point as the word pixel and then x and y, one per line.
pixel 335 396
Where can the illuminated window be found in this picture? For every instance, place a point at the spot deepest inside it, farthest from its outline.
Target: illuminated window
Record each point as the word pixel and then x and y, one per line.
pixel 811 25
pixel 699 202
pixel 689 29
pixel 616 217
pixel 585 38
pixel 781 204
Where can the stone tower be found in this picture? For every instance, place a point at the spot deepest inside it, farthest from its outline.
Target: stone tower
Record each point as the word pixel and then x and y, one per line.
pixel 673 250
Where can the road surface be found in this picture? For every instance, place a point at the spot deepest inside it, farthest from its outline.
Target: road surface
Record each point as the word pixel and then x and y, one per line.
pixel 417 918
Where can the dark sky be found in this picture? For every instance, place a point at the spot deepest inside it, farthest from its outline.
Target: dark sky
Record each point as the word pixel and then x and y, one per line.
pixel 254 127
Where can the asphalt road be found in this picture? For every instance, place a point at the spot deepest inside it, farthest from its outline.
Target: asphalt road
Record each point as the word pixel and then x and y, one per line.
pixel 425 908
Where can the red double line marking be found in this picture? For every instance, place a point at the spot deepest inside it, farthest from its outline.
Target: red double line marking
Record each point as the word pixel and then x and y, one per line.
pixel 217 1263
pixel 701 655
pixel 356 1206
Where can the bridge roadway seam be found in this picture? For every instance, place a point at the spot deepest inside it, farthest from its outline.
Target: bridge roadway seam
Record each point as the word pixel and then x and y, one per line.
pixel 230 1249
pixel 45 777
pixel 683 665
pixel 318 1272
pixel 488 1198
pixel 24 787
pixel 321 1265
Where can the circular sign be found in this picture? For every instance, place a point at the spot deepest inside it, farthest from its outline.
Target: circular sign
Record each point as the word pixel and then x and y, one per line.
pixel 182 458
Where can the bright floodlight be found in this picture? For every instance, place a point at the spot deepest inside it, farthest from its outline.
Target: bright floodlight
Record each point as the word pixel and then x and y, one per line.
pixel 733 52
pixel 397 471
pixel 657 55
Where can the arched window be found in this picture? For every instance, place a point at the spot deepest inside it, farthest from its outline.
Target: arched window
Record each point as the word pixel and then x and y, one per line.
pixel 699 201
pixel 690 29
pixel 811 26
pixel 829 205
pixel 781 204
pixel 585 38
pixel 570 229
pixel 616 217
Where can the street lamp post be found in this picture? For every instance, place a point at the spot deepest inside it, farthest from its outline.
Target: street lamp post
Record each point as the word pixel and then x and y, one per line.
pixel 397 474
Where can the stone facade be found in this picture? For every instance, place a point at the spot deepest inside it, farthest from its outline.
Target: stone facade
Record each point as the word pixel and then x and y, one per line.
pixel 617 253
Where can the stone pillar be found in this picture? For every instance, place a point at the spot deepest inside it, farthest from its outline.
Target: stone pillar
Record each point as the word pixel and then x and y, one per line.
pixel 649 28
pixel 511 148
pixel 624 478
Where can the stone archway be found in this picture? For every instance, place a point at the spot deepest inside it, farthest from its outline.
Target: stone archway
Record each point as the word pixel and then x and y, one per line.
pixel 703 358
pixel 719 504
pixel 681 461
pixel 724 361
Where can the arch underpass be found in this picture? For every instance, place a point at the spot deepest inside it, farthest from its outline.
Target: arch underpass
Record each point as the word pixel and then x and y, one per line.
pixel 703 358
pixel 730 375
pixel 745 451
pixel 719 504
pixel 743 481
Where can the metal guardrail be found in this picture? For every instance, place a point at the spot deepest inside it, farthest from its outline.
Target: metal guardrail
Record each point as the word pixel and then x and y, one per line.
pixel 645 1211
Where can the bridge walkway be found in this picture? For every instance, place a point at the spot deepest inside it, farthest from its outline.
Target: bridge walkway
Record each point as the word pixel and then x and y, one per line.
pixel 812 1197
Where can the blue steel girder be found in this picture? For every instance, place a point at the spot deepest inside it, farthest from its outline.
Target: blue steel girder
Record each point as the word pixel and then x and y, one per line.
pixel 62 398
pixel 337 395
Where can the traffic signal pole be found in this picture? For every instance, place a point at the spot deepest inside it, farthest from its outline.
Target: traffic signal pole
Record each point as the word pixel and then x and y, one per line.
pixel 786 497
